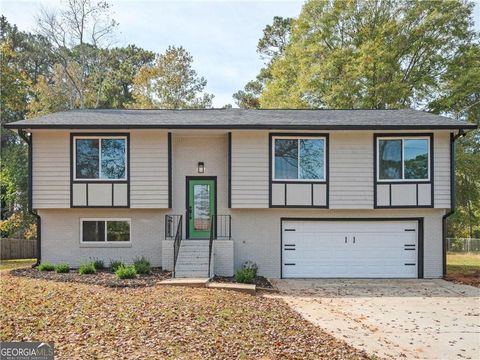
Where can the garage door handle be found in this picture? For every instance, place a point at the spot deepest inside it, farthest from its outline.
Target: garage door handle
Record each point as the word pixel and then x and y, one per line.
pixel 354 239
pixel 345 239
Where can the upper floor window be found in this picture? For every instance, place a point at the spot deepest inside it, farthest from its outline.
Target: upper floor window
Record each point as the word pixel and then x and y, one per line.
pixel 403 158
pixel 299 158
pixel 100 158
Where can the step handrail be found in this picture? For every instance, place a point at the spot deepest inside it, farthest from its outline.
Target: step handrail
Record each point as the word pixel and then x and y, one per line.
pixel 210 243
pixel 176 243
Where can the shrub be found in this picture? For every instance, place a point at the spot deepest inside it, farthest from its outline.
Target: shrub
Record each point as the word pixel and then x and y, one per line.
pixel 62 268
pixel 115 264
pixel 87 268
pixel 98 264
pixel 46 267
pixel 245 276
pixel 142 266
pixel 126 272
pixel 251 266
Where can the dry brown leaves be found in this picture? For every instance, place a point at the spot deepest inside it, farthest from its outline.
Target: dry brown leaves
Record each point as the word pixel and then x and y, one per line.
pixel 470 278
pixel 89 321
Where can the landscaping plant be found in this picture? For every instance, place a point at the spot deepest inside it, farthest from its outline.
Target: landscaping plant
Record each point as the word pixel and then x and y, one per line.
pixel 98 264
pixel 126 272
pixel 142 266
pixel 115 264
pixel 46 267
pixel 245 276
pixel 87 268
pixel 62 268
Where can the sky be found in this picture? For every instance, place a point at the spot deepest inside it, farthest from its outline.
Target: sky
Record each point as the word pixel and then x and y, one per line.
pixel 222 36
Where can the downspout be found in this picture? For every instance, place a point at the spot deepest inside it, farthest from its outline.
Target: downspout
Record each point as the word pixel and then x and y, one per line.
pixel 27 137
pixel 453 138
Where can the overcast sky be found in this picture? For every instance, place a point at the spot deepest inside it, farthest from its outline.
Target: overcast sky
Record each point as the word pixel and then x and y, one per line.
pixel 221 35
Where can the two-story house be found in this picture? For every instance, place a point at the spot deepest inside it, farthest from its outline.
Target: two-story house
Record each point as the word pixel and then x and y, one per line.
pixel 303 193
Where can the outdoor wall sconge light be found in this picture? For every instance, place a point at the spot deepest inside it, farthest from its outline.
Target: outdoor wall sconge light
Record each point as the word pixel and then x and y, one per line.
pixel 201 167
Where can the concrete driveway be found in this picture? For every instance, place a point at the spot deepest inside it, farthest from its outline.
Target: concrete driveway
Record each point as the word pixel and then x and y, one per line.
pixel 411 319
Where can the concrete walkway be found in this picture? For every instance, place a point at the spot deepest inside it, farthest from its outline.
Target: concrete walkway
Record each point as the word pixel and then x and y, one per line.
pixel 394 319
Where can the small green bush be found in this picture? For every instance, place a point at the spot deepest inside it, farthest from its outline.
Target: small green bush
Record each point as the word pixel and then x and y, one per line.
pixel 245 276
pixel 62 268
pixel 46 267
pixel 87 268
pixel 115 264
pixel 142 266
pixel 126 272
pixel 98 264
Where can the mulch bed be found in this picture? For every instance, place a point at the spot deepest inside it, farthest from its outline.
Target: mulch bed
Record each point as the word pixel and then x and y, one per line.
pixel 259 281
pixel 102 277
pixel 470 278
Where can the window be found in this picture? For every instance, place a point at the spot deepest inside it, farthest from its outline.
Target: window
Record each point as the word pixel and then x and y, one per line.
pixel 105 231
pixel 403 159
pixel 299 158
pixel 100 158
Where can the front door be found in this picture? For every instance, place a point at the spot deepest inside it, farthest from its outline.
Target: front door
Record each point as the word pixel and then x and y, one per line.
pixel 200 206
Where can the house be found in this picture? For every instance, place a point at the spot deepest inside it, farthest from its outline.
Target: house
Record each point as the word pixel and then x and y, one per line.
pixel 302 193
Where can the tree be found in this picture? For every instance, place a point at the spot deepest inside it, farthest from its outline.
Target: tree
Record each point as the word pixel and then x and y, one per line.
pixel 171 83
pixel 460 98
pixel 367 54
pixel 113 84
pixel 270 47
pixel 76 33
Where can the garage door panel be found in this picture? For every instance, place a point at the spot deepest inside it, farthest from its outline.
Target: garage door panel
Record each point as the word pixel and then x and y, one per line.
pixel 353 249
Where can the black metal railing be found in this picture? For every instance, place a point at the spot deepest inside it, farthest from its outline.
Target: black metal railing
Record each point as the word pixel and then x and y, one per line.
pixel 222 226
pixel 213 219
pixel 171 226
pixel 176 243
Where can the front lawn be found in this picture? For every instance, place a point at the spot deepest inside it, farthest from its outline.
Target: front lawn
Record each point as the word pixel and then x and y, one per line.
pixel 14 264
pixel 91 321
pixel 464 268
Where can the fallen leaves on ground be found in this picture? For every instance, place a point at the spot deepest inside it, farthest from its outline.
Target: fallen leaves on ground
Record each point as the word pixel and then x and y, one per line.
pixel 89 321
pixel 471 278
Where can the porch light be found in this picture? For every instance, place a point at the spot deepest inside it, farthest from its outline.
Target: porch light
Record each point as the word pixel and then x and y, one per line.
pixel 201 167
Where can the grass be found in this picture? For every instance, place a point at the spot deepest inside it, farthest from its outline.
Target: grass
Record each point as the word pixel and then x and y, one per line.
pixel 159 322
pixel 15 264
pixel 463 262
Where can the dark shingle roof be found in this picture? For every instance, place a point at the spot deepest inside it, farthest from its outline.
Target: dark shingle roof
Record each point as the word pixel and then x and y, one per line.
pixel 243 119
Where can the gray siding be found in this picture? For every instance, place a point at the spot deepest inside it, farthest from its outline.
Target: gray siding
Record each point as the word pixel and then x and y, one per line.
pixel 51 169
pixel 351 170
pixel 149 169
pixel 148 173
pixel 250 188
pixel 441 149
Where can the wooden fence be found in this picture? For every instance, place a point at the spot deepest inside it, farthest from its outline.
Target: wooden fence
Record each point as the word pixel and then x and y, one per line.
pixel 17 249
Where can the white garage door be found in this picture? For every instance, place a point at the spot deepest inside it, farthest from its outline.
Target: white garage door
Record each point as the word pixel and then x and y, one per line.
pixel 349 249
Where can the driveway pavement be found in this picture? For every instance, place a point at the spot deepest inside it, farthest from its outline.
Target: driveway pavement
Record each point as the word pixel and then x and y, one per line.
pixel 394 319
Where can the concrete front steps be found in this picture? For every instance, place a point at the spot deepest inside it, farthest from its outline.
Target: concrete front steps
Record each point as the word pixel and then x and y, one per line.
pixel 192 261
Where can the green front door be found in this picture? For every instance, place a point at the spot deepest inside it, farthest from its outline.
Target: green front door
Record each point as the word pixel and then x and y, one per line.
pixel 200 207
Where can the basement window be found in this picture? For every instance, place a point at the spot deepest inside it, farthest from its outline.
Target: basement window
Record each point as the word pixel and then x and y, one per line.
pixel 105 231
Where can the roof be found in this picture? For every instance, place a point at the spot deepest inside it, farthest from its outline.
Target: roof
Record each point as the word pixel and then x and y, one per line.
pixel 242 119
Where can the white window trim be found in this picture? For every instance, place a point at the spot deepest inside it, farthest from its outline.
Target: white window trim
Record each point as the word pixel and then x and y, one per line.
pixel 99 138
pixel 402 180
pixel 324 179
pixel 82 220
